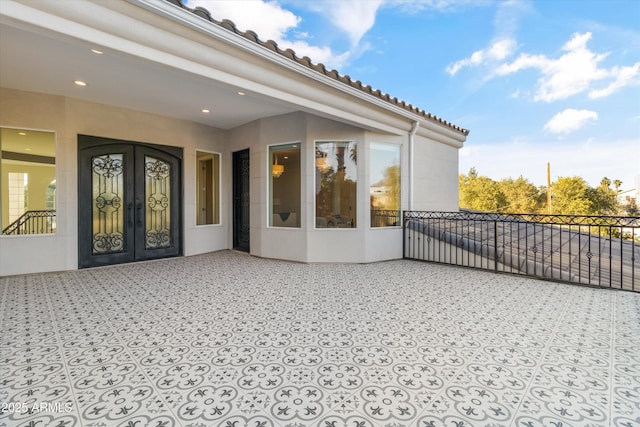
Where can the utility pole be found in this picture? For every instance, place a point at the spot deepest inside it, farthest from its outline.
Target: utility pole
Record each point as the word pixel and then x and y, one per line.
pixel 549 188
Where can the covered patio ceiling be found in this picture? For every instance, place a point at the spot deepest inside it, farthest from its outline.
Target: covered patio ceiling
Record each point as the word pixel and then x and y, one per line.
pixel 50 63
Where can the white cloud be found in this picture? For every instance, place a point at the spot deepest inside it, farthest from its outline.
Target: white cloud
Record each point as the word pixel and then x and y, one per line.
pixel 508 16
pixel 568 75
pixel 574 72
pixel 318 54
pixel 569 120
pixel 415 6
pixel 519 94
pixel 354 17
pixel 270 21
pixel 503 44
pixel 498 51
pixel 624 76
pixel 577 70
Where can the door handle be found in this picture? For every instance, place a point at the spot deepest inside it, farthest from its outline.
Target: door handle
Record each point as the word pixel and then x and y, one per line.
pixel 138 213
pixel 130 214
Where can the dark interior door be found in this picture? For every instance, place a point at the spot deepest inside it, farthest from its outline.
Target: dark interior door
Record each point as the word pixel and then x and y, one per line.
pixel 241 200
pixel 129 201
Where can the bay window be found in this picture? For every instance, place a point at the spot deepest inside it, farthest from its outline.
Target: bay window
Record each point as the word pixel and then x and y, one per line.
pixel 336 184
pixel 284 188
pixel 384 185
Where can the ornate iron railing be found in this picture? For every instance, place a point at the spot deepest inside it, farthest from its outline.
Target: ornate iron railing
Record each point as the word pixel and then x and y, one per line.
pixel 385 218
pixel 591 250
pixel 33 222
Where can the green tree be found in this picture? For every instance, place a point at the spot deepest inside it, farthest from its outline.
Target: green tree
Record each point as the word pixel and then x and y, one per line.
pixel 521 196
pixel 571 196
pixel 480 193
pixel 630 207
pixel 603 199
pixel 617 184
pixel 392 180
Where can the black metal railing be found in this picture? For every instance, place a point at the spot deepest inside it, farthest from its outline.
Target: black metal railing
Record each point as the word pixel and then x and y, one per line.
pixel 33 222
pixel 591 250
pixel 385 218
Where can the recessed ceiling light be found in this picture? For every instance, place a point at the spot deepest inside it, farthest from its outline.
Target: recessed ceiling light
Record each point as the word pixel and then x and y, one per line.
pixel 80 83
pixel 241 93
pixel 22 133
pixel 96 51
pixel 204 110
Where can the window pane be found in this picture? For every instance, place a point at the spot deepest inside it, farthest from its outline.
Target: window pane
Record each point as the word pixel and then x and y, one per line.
pixel 208 188
pixel 385 187
pixel 157 193
pixel 27 181
pixel 107 184
pixel 336 176
pixel 284 200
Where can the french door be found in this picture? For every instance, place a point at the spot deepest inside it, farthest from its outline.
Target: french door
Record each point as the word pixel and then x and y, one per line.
pixel 241 201
pixel 129 201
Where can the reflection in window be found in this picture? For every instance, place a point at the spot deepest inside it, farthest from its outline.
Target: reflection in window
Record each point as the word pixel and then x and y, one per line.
pixel 208 188
pixel 284 200
pixel 18 194
pixel 27 171
pixel 336 176
pixel 384 190
pixel 51 195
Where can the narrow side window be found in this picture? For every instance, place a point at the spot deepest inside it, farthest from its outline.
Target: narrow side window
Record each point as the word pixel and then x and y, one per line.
pixel 208 188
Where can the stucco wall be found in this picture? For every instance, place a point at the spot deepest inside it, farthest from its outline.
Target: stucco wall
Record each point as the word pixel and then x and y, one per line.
pixel 205 238
pixel 435 183
pixel 435 176
pixel 67 118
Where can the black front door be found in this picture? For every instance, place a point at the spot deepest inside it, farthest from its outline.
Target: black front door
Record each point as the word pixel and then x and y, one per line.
pixel 129 201
pixel 241 200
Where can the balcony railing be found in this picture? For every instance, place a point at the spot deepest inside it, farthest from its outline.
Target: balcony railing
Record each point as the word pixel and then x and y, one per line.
pixel 590 250
pixel 33 222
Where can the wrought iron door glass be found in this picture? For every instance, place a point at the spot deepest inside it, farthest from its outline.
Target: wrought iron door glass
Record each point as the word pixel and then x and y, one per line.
pixel 241 201
pixel 244 203
pixel 158 199
pixel 107 192
pixel 129 198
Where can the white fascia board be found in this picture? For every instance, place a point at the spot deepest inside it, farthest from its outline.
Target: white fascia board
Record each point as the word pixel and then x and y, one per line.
pixel 184 17
pixel 439 137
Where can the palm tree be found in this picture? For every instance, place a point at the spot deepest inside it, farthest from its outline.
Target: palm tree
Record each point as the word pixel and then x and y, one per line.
pixel 617 184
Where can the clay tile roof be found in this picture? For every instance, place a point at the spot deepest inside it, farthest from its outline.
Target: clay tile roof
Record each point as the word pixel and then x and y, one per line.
pixel 290 54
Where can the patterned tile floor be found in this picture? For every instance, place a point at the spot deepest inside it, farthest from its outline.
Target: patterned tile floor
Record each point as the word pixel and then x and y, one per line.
pixel 225 339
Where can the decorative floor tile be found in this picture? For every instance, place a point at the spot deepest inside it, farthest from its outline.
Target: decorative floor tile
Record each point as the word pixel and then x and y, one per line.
pixel 220 340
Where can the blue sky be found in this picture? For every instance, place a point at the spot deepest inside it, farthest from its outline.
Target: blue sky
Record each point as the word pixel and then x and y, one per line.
pixel 534 81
